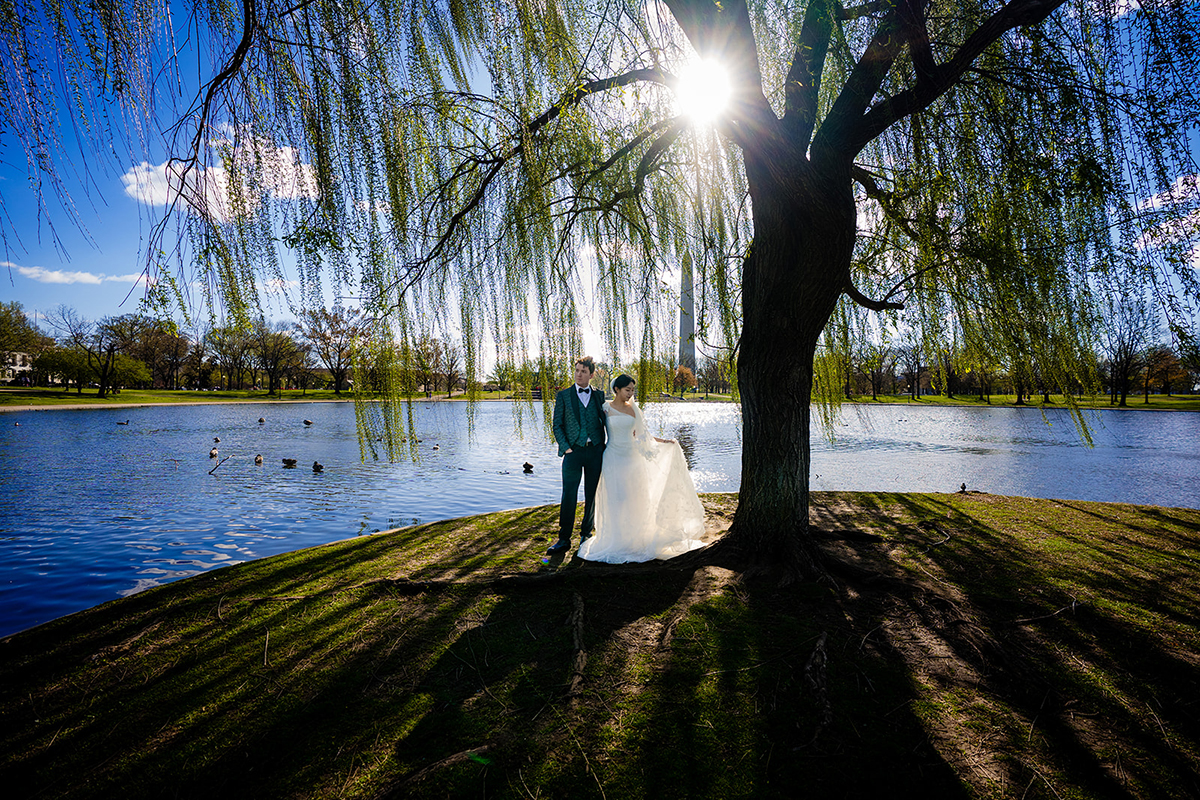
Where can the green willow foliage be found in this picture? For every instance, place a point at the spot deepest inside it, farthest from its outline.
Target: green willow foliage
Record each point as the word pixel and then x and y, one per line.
pixel 443 162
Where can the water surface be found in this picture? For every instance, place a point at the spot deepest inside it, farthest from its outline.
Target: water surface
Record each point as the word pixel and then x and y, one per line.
pixel 91 509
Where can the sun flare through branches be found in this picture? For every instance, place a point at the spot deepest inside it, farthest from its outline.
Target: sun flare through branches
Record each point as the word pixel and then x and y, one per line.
pixel 703 91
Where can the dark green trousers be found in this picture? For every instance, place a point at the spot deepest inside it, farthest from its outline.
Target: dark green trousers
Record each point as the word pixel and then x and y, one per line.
pixel 585 463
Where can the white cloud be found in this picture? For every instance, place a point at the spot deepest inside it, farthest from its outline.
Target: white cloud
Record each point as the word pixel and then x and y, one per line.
pixel 1184 188
pixel 59 276
pixel 1178 215
pixel 147 184
pixel 280 285
pixel 208 189
pixel 286 176
pixel 1109 8
pixel 159 184
pixel 1120 8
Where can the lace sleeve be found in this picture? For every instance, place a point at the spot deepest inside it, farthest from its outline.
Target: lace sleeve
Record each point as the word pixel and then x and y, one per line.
pixel 643 441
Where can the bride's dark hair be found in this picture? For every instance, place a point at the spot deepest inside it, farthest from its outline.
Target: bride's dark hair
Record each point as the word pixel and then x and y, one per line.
pixel 621 381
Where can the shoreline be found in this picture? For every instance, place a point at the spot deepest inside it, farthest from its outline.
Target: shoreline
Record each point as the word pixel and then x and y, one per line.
pixel 301 401
pixel 140 404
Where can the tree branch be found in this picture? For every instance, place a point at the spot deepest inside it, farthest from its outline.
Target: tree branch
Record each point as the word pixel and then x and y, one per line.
pixel 861 87
pixel 297 7
pixel 629 147
pixel 414 270
pixel 866 302
pixel 674 128
pixel 668 138
pixel 232 67
pixel 804 78
pixel 887 201
pixel 649 74
pixel 853 137
pixel 916 33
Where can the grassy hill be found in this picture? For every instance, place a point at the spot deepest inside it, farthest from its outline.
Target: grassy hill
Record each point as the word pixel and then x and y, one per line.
pixel 967 645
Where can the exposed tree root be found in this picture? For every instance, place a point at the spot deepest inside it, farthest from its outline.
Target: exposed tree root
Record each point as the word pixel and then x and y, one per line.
pixel 579 660
pixel 814 675
pixel 706 582
pixel 780 560
pixel 107 652
pixel 400 788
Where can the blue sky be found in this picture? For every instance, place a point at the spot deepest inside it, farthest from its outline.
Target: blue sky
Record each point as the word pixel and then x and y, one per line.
pixel 95 262
pixel 95 269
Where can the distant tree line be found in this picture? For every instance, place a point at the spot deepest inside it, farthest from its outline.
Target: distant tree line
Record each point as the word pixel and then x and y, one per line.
pixel 318 351
pixel 1123 367
pixel 137 351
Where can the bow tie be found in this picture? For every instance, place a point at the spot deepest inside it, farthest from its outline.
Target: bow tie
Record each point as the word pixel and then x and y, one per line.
pixel 583 391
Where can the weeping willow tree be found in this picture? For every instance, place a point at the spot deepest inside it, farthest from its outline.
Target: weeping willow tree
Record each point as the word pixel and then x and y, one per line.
pixel 987 167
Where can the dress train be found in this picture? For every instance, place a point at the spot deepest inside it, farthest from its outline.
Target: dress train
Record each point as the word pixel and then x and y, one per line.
pixel 646 504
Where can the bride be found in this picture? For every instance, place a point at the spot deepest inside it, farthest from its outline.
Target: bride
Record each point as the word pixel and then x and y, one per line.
pixel 646 504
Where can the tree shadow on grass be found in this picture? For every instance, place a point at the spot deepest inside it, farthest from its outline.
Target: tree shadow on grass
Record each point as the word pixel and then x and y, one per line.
pixel 242 677
pixel 1055 642
pixel 382 667
pixel 385 667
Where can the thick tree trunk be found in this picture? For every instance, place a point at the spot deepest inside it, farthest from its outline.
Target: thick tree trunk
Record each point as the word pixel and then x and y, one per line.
pixel 687 318
pixel 804 229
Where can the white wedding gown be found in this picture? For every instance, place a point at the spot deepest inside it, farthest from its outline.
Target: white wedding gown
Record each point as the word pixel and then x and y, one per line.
pixel 646 504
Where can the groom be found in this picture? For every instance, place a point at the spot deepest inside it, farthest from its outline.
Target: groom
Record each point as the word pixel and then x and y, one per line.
pixel 579 429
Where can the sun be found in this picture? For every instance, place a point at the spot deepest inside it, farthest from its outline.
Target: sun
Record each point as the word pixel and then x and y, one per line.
pixel 703 91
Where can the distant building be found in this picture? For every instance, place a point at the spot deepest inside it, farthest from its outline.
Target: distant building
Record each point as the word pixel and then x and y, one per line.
pixel 15 365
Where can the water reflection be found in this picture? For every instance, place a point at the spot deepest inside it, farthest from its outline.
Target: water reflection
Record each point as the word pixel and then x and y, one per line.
pixel 686 436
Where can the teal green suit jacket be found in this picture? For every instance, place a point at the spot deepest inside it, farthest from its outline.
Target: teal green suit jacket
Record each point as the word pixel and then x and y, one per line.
pixel 573 423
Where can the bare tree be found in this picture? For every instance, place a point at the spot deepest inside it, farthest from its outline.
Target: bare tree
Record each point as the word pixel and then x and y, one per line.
pixel 426 359
pixel 101 341
pixel 333 337
pixel 714 375
pixel 1129 325
pixel 274 350
pixel 880 367
pixel 909 355
pixel 163 349
pixel 233 350
pixel 1163 368
pixel 451 366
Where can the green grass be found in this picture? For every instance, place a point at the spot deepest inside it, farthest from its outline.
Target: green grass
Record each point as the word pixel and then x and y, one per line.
pixel 42 396
pixel 1178 402
pixel 978 647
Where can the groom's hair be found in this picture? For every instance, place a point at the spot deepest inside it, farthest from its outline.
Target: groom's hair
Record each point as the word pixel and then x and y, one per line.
pixel 588 362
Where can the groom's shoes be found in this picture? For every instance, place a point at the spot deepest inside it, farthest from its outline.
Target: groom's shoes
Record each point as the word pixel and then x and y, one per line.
pixel 584 537
pixel 560 546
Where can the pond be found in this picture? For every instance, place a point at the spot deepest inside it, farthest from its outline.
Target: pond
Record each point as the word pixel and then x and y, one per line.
pixel 101 503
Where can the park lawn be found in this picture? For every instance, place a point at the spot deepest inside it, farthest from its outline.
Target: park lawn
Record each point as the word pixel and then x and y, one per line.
pixel 44 396
pixel 38 396
pixel 1157 402
pixel 968 645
